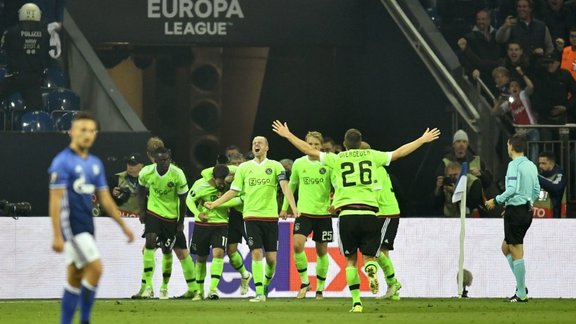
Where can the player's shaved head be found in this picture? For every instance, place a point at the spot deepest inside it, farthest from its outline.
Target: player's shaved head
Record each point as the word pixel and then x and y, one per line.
pixel 261 138
pixel 352 139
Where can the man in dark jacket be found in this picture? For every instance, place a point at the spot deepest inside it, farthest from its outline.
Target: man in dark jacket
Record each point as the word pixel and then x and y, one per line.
pixel 531 33
pixel 554 94
pixel 552 181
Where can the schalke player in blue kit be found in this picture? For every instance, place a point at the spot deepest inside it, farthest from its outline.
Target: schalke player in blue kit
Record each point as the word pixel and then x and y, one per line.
pixel 75 175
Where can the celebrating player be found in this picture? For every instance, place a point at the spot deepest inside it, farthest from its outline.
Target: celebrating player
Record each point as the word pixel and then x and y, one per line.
pixel 235 227
pixel 258 179
pixel 210 227
pixel 388 213
pixel 312 180
pixel 151 146
pixel 75 175
pixel 162 213
pixel 355 199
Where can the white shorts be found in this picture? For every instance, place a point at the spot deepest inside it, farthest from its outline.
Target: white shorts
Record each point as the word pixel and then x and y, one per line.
pixel 81 250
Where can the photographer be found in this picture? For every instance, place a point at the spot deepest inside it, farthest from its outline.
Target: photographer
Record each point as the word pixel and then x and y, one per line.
pixel 124 186
pixel 444 190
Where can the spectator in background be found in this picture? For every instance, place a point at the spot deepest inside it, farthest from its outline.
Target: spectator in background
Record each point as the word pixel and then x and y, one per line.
pixel 235 159
pixel 559 19
pixel 552 182
pixel 232 149
pixel 532 33
pixel 479 50
pixel 287 164
pixel 518 104
pixel 508 8
pixel 555 94
pixel 329 145
pixel 460 154
pixel 569 54
pixel 515 57
pixel 124 186
pixel 501 77
pixel 445 189
pixel 26 45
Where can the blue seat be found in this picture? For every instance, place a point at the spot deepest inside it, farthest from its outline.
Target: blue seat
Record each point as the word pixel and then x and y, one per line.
pixel 64 122
pixel 62 99
pixel 36 121
pixel 14 102
pixel 53 78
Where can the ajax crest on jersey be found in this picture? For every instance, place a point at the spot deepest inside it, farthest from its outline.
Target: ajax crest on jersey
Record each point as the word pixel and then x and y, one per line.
pixel 170 184
pixel 268 171
pixel 322 170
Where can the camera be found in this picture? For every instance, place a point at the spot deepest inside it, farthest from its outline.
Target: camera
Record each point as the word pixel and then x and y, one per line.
pixel 448 181
pixel 124 191
pixel 15 209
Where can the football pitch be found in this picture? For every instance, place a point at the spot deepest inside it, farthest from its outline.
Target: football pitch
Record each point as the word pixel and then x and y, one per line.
pixel 282 310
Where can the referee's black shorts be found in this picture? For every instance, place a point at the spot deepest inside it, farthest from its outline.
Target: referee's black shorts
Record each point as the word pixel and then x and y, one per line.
pixel 517 221
pixel 359 232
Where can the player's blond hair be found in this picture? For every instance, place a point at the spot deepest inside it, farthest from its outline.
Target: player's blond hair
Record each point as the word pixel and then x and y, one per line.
pixel 316 135
pixel 152 145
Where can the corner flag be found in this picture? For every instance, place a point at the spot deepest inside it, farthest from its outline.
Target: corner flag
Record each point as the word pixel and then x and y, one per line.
pixel 460 196
pixel 460 189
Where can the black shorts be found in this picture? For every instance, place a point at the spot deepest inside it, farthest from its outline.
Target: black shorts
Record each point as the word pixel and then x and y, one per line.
pixel 390 229
pixel 235 227
pixel 262 234
pixel 517 221
pixel 321 226
pixel 168 237
pixel 359 232
pixel 206 236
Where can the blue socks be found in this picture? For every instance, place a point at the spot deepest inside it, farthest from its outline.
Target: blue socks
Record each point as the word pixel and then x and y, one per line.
pixel 519 270
pixel 87 296
pixel 69 303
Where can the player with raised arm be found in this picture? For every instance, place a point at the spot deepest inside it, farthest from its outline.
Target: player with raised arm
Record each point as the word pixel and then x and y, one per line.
pixel 162 201
pixel 258 179
pixel 356 200
pixel 75 175
pixel 210 227
pixel 312 181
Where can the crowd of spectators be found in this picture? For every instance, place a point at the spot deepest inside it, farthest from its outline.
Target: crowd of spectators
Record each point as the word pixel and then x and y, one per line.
pixel 525 53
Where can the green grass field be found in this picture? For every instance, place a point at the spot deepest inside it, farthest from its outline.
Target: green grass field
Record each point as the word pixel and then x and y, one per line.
pixel 277 311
